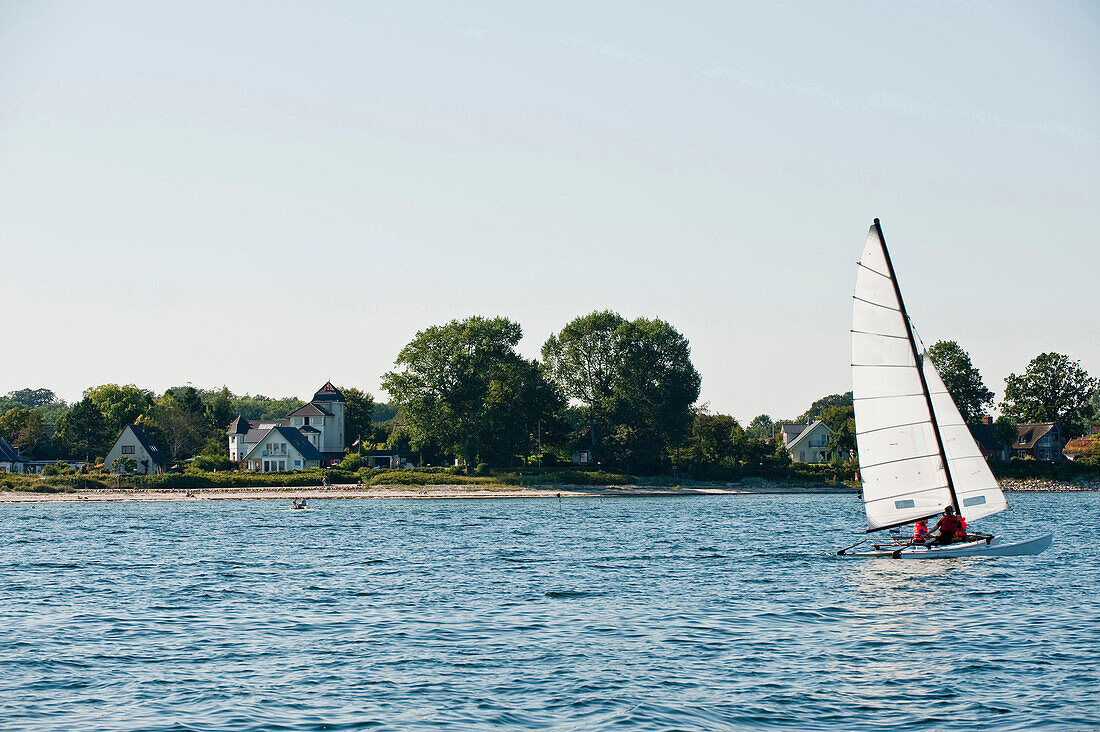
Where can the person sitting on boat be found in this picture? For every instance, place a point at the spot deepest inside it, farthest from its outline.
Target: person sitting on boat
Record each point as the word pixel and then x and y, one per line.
pixel 949 527
pixel 920 531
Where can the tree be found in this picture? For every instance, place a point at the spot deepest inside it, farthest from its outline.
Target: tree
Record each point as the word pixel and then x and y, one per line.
pixel 446 378
pixel 761 427
pixel 358 414
pixel 82 431
pixel 31 398
pixel 1051 389
pixel 842 421
pixel 120 405
pixel 962 380
pixel 1004 432
pixel 220 409
pixel 634 379
pixel 523 407
pixel 264 407
pixel 23 428
pixel 178 423
pixel 833 400
pixel 123 464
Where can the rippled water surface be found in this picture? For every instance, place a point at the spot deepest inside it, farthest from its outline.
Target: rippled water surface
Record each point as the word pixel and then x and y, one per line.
pixel 638 613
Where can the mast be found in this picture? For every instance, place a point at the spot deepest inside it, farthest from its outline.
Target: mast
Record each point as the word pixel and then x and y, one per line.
pixel 920 369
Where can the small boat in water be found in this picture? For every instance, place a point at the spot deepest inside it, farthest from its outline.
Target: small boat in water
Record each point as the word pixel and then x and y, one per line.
pixel 916 453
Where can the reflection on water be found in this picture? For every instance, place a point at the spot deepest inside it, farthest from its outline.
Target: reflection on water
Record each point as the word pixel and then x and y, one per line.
pixel 713 613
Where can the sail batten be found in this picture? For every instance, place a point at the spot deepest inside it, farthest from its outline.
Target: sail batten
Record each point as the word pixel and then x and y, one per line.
pixel 916 453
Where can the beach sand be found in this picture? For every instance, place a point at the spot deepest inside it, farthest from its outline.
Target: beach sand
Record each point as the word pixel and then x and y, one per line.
pixel 353 491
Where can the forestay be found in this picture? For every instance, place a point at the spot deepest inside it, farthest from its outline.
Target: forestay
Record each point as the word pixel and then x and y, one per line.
pixel 900 461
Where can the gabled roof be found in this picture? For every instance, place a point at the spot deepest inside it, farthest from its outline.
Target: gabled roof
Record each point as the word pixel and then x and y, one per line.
pixel 147 442
pixel 809 428
pixel 791 431
pixel 310 410
pixel 1029 433
pixel 1081 446
pixel 328 393
pixel 10 454
pixel 293 438
pixel 239 426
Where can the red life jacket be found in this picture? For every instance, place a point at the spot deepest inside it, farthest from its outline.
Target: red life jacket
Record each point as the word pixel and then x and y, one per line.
pixel 950 525
pixel 961 533
pixel 920 529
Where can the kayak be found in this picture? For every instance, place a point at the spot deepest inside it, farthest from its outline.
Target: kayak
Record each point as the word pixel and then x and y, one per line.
pixel 994 547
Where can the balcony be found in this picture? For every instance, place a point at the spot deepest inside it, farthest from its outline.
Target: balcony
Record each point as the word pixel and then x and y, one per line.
pixel 273 453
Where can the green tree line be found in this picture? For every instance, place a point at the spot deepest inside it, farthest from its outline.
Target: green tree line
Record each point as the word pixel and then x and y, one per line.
pixel 621 392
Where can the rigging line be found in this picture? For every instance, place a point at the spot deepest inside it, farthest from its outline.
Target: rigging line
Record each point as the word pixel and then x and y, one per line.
pixel 875 271
pixel 899 460
pixel 887 396
pixel 892 427
pixel 881 335
pixel 884 307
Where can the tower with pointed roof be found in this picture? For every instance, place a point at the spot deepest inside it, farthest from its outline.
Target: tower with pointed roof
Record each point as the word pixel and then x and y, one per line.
pixel 319 423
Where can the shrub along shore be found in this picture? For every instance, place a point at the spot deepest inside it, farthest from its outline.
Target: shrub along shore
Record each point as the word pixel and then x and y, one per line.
pixel 1016 476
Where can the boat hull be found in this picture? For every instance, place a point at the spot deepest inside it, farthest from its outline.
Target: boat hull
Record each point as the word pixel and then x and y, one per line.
pixel 995 548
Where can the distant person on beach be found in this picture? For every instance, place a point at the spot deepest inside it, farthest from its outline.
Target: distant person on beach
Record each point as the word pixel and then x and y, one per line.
pixel 950 527
pixel 324 481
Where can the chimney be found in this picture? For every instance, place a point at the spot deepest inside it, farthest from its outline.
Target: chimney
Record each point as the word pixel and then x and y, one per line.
pixel 987 419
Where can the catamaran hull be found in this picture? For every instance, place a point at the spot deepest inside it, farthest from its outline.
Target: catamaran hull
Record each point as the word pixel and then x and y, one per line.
pixel 995 548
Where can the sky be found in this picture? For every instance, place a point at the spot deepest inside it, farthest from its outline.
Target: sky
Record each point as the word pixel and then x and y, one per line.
pixel 270 195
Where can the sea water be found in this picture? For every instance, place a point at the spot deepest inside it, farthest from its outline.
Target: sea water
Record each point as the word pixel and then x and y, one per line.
pixel 723 612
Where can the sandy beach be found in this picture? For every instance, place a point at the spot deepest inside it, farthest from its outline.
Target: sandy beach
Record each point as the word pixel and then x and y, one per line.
pixel 355 491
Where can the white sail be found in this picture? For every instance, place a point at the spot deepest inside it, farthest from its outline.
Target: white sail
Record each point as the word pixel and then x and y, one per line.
pixel 902 468
pixel 899 460
pixel 977 490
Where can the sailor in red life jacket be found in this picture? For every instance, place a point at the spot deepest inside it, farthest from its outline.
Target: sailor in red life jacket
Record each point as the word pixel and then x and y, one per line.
pixel 949 527
pixel 920 531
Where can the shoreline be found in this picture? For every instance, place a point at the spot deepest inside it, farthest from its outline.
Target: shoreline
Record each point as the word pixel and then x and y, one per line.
pixel 441 491
pixel 354 491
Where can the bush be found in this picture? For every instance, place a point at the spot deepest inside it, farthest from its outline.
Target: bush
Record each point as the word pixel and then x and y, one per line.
pixel 57 469
pixel 352 462
pixel 208 463
pixel 482 469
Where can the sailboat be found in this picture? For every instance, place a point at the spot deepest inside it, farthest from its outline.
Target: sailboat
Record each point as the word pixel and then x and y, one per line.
pixel 916 454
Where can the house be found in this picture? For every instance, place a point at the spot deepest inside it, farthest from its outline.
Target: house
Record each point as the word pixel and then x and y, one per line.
pixel 807 443
pixel 1038 440
pixel 138 445
pixel 387 458
pixel 11 460
pixel 282 448
pixel 320 423
pixel 1081 447
pixel 987 443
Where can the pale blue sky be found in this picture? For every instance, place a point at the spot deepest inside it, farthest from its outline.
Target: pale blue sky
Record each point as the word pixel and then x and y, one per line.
pixel 269 195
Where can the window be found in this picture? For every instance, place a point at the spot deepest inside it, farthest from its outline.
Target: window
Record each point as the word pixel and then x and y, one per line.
pixel 297 463
pixel 306 420
pixel 282 465
pixel 127 449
